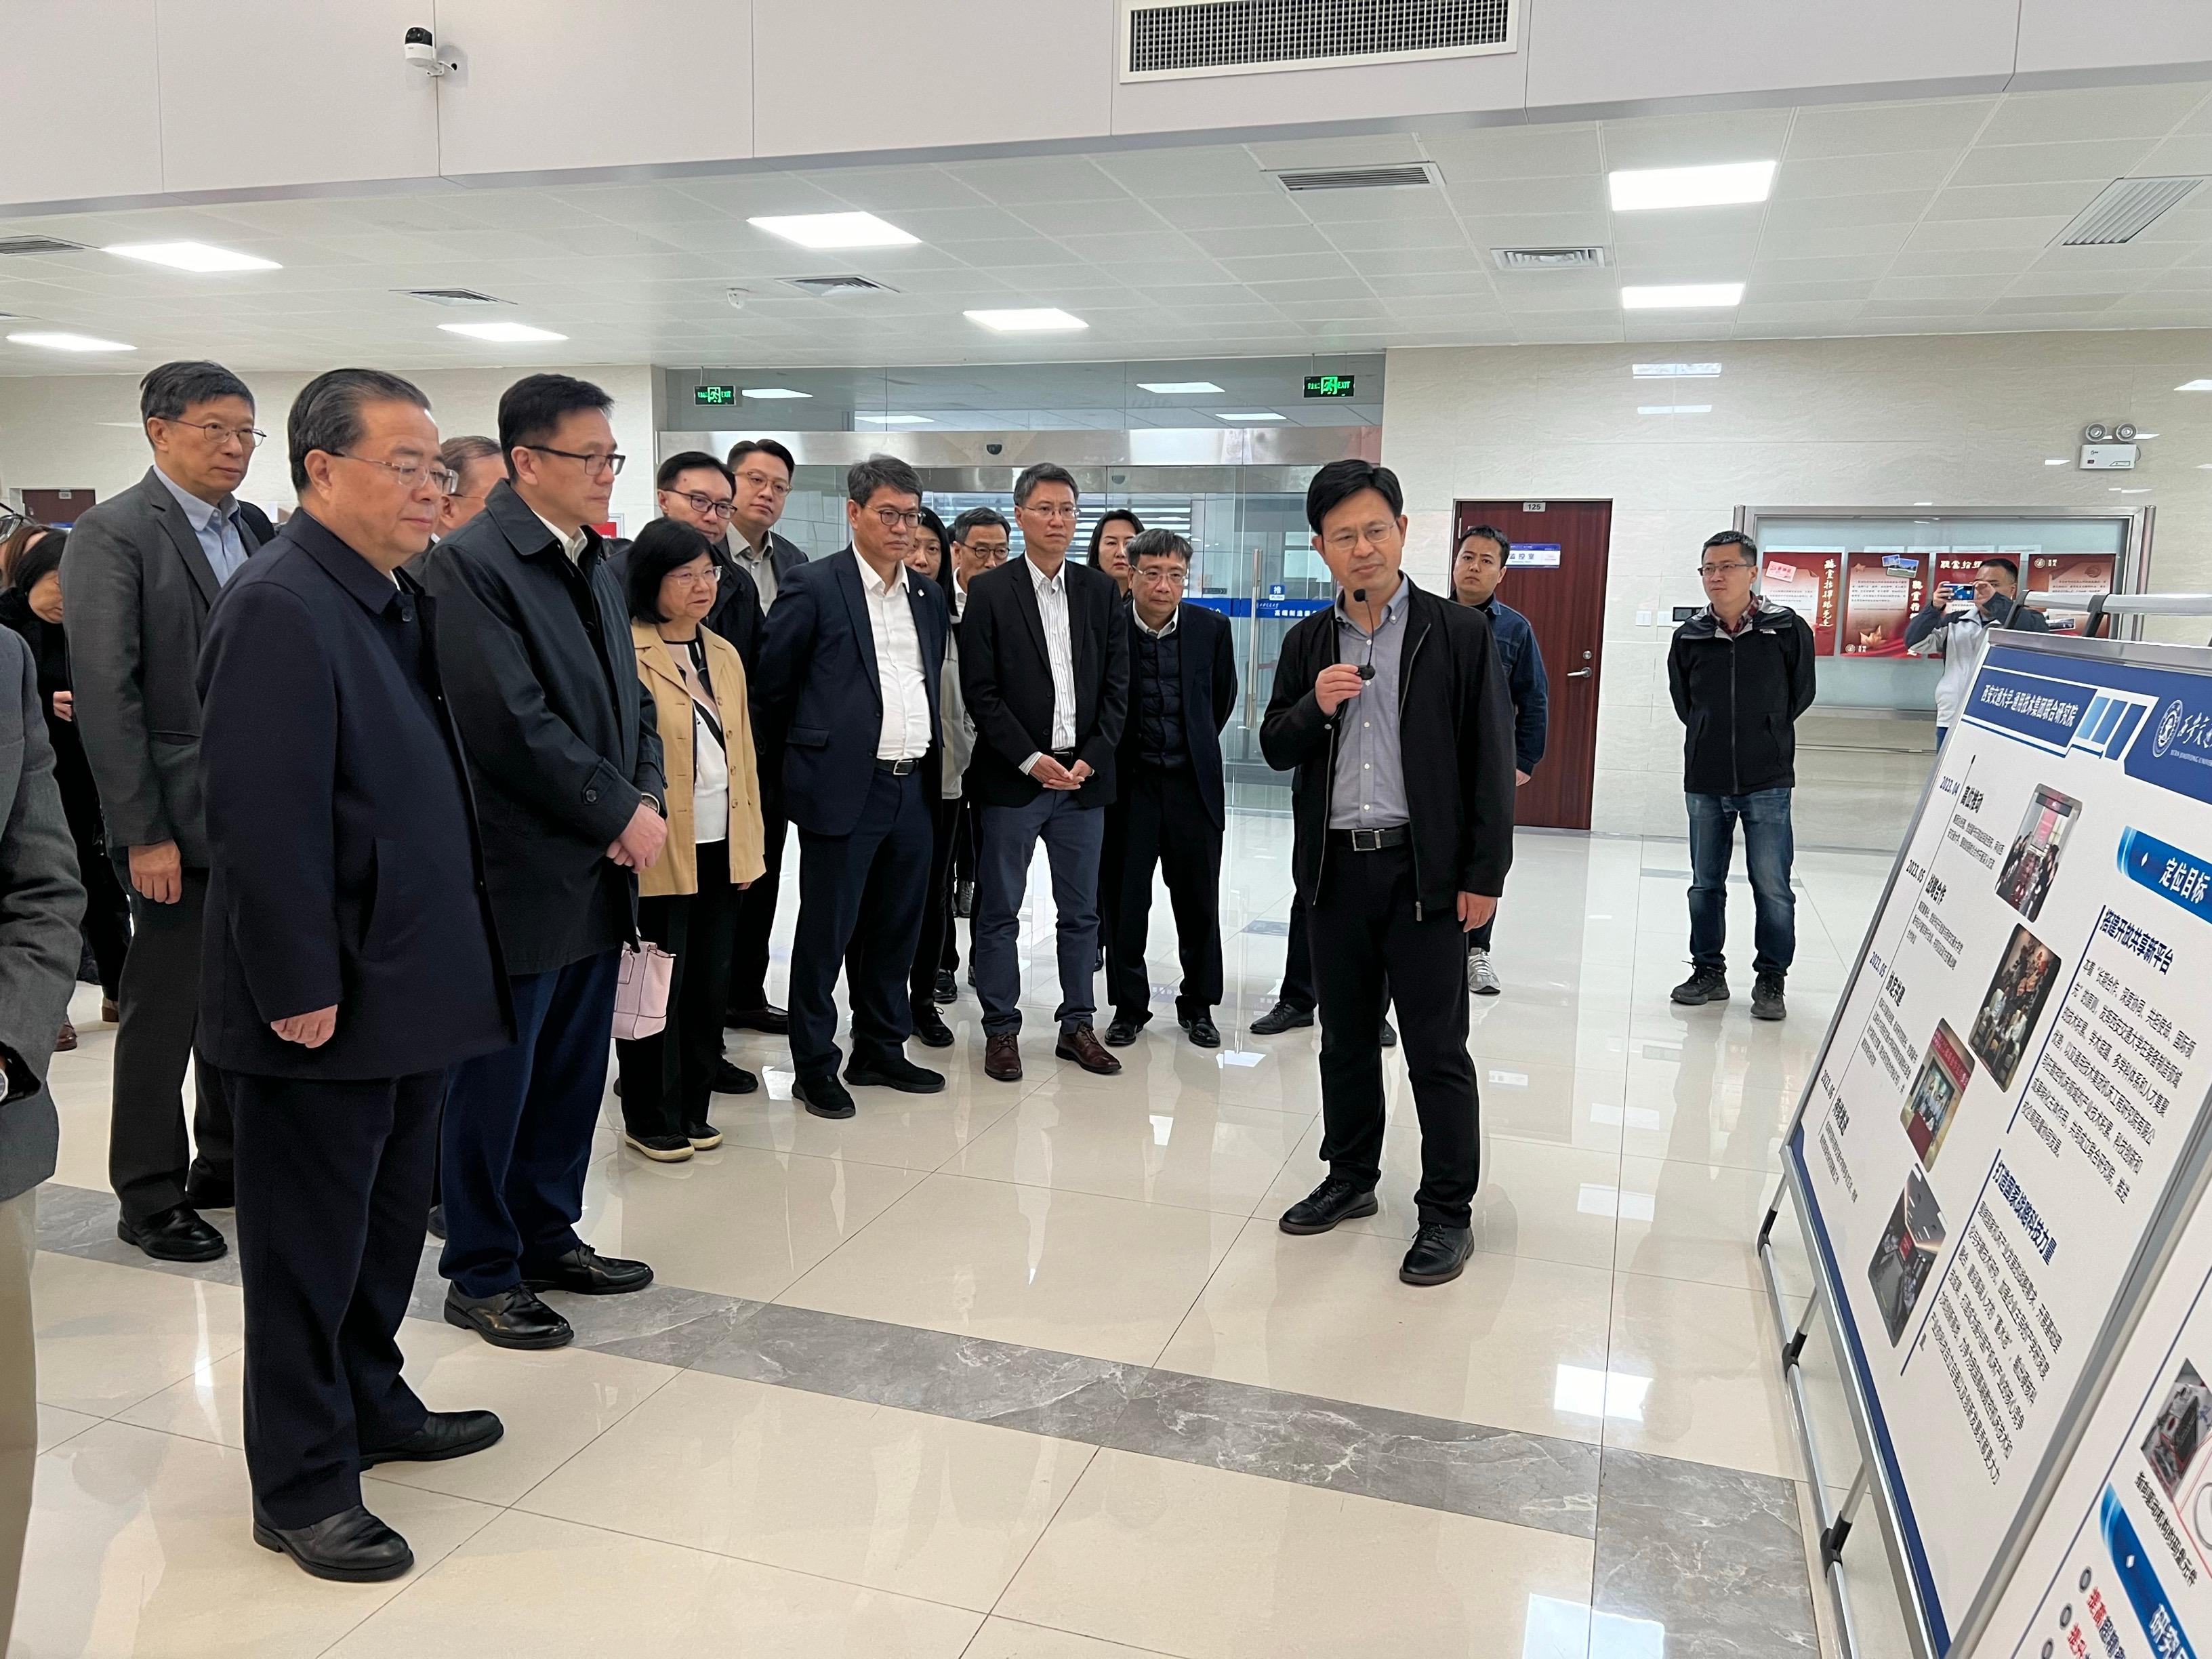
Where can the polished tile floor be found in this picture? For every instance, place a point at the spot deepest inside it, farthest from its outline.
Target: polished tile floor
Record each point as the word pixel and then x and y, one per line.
pixel 1028 1372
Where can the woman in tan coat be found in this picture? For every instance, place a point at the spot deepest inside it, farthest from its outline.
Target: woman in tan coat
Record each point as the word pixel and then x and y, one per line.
pixel 687 897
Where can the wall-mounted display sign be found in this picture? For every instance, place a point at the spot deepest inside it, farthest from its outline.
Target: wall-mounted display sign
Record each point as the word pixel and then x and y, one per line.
pixel 1543 555
pixel 715 395
pixel 1808 580
pixel 1328 386
pixel 2076 576
pixel 1883 587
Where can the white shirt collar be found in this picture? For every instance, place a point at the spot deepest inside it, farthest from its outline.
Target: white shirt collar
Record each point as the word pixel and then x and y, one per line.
pixel 573 546
pixel 870 580
pixel 1165 629
pixel 1057 579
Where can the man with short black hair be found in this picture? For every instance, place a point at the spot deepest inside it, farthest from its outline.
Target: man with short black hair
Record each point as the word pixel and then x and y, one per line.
pixel 143 568
pixel 564 749
pixel 1956 627
pixel 1044 664
pixel 473 460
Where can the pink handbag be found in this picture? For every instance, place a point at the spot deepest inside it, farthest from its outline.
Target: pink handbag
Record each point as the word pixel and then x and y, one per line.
pixel 641 993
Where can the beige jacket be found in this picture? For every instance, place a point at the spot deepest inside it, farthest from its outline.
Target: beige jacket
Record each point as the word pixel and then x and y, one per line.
pixel 676 870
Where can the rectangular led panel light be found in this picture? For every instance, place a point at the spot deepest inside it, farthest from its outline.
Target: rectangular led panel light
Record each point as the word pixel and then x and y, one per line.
pixel 1637 190
pixel 503 333
pixel 1680 296
pixel 2195 385
pixel 896 420
pixel 775 391
pixel 1248 415
pixel 1177 388
pixel 829 230
pixel 192 256
pixel 1039 319
pixel 1675 371
pixel 48 342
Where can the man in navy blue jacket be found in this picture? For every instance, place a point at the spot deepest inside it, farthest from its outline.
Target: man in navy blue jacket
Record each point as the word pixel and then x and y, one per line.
pixel 1477 569
pixel 348 959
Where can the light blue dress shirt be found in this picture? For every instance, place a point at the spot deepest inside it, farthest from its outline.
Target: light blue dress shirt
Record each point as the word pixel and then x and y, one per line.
pixel 217 527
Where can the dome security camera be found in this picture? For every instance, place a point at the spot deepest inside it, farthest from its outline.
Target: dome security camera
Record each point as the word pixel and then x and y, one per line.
pixel 994 449
pixel 421 48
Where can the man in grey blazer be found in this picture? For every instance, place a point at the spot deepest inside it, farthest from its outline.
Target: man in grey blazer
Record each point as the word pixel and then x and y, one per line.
pixel 142 569
pixel 40 904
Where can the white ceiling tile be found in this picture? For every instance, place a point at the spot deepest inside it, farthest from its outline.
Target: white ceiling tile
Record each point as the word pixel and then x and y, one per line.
pixel 1539 152
pixel 2102 160
pixel 1540 230
pixel 1956 262
pixel 1271 206
pixel 1402 202
pixel 1843 212
pixel 1029 180
pixel 2105 283
pixel 1988 233
pixel 2064 197
pixel 1492 197
pixel 1817 242
pixel 893 191
pixel 1979 289
pixel 1290 267
pixel 1881 173
pixel 1678 141
pixel 2189 156
pixel 1364 236
pixel 1110 250
pixel 1253 241
pixel 2137 257
pixel 1880 129
pixel 1376 149
pixel 1196 171
pixel 1849 268
pixel 1167 273
pixel 2051 305
pixel 1761 291
pixel 1326 287
pixel 1124 216
pixel 2090 112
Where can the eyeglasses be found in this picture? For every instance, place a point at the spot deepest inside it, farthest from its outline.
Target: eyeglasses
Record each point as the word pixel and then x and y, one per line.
pixel 611 464
pixel 707 505
pixel 1719 568
pixel 249 437
pixel 1051 513
pixel 409 473
pixel 710 577
pixel 892 518
pixel 1343 541
pixel 776 487
pixel 1169 577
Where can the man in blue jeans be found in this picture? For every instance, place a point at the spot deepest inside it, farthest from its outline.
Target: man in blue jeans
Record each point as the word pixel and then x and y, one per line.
pixel 1742 672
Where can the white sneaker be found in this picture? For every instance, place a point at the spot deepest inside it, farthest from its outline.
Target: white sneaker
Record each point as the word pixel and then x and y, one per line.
pixel 1481 977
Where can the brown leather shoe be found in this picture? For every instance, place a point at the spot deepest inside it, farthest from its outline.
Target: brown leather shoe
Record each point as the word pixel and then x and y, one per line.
pixel 1080 1044
pixel 67 1040
pixel 1002 1057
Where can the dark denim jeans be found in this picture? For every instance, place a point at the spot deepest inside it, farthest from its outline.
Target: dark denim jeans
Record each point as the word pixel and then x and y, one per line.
pixel 1768 849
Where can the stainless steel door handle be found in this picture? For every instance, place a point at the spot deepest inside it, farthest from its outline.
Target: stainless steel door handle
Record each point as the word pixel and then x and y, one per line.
pixel 1578 673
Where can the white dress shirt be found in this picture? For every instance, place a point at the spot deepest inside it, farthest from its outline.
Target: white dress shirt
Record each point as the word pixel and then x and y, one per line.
pixel 572 541
pixel 905 734
pixel 1059 649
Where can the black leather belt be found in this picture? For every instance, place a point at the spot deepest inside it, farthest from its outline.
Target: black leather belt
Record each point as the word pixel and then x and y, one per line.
pixel 898 768
pixel 1065 757
pixel 1370 841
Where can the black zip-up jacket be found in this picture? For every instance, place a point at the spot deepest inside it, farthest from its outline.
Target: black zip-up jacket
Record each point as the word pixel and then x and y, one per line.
pixel 1738 697
pixel 1455 733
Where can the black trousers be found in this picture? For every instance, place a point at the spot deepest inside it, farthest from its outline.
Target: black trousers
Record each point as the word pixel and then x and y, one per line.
pixel 859 906
pixel 756 911
pixel 1363 933
pixel 668 1079
pixel 107 907
pixel 1158 819
pixel 933 947
pixel 148 1153
pixel 331 1179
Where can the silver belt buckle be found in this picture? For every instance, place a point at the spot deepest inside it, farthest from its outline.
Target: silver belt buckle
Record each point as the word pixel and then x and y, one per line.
pixel 1367 840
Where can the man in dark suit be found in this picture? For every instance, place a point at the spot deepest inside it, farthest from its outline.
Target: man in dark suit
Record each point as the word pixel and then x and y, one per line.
pixel 143 568
pixel 760 471
pixel 849 682
pixel 1044 663
pixel 351 960
pixel 1169 808
pixel 534 647
pixel 693 488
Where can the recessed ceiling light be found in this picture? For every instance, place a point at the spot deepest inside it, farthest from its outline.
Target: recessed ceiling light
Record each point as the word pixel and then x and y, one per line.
pixel 2195 385
pixel 2058 460
pixel 822 230
pixel 1635 190
pixel 1923 503
pixel 773 392
pixel 504 333
pixel 193 256
pixel 1680 296
pixel 2119 491
pixel 2140 437
pixel 1177 388
pixel 1248 415
pixel 1674 409
pixel 1674 371
pixel 1031 321
pixel 70 343
pixel 897 420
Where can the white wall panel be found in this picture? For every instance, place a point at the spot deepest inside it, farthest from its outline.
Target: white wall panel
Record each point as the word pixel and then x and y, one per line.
pixel 2057 36
pixel 1278 98
pixel 82 118
pixel 575 83
pixel 262 93
pixel 836 75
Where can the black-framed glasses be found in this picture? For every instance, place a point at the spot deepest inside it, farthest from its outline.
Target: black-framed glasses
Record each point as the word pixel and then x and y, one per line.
pixel 891 517
pixel 1722 566
pixel 409 473
pixel 706 505
pixel 611 464
pixel 249 437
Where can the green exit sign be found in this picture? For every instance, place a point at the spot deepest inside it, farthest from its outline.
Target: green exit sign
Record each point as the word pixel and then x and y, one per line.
pixel 1328 386
pixel 714 394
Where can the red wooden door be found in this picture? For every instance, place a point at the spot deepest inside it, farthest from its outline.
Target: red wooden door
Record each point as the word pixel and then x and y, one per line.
pixel 57 506
pixel 1556 578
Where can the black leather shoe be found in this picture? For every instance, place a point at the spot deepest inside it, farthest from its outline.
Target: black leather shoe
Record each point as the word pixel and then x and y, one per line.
pixel 1336 1200
pixel 1124 1031
pixel 947 989
pixel 512 1318
pixel 1389 1035
pixel 1203 1031
pixel 892 1071
pixel 437 1221
pixel 352 1547
pixel 823 1096
pixel 733 1079
pixel 930 1030
pixel 1283 1017
pixel 1438 1255
pixel 206 1193
pixel 585 1272
pixel 443 1435
pixel 767 1017
pixel 174 1234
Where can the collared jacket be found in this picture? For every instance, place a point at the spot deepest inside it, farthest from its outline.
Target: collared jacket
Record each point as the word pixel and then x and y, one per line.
pixel 1525 680
pixel 563 741
pixel 676 870
pixel 1738 697
pixel 1960 641
pixel 1454 734
pixel 1005 673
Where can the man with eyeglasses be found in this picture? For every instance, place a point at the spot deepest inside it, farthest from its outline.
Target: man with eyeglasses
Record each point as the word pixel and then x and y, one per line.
pixel 1044 664
pixel 564 750
pixel 143 568
pixel 694 488
pixel 760 472
pixel 473 460
pixel 1742 672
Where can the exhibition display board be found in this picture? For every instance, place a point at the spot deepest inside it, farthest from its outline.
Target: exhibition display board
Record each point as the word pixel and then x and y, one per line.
pixel 1809 579
pixel 1883 588
pixel 2013 1092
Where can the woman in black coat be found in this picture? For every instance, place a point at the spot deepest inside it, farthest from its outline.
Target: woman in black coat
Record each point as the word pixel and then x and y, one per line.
pixel 33 607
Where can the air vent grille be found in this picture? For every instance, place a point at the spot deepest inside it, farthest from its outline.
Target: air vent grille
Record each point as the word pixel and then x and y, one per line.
pixel 823 285
pixel 1216 37
pixel 1382 178
pixel 454 296
pixel 2124 210
pixel 1548 259
pixel 13 245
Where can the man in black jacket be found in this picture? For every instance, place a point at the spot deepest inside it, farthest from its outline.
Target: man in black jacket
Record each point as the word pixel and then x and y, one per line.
pixel 349 961
pixel 534 647
pixel 693 488
pixel 1391 707
pixel 1742 672
pixel 1169 808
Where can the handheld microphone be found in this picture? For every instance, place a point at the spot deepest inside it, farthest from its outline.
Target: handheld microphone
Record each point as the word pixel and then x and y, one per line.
pixel 1367 668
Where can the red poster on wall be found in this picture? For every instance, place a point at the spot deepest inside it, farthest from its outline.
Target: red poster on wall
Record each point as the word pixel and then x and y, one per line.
pixel 2072 575
pixel 1807 580
pixel 1883 587
pixel 1955 570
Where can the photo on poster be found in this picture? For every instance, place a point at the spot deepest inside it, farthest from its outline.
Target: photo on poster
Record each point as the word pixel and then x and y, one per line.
pixel 1936 1090
pixel 2029 867
pixel 1906 1255
pixel 2179 1430
pixel 2012 1005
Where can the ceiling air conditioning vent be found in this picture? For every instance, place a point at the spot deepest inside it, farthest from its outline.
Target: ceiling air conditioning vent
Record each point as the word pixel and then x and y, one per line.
pixel 1548 259
pixel 2124 210
pixel 1382 178
pixel 826 285
pixel 9 244
pixel 1163 39
pixel 454 296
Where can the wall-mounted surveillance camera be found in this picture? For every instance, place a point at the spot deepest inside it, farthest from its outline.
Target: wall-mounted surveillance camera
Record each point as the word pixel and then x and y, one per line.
pixel 994 449
pixel 422 49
